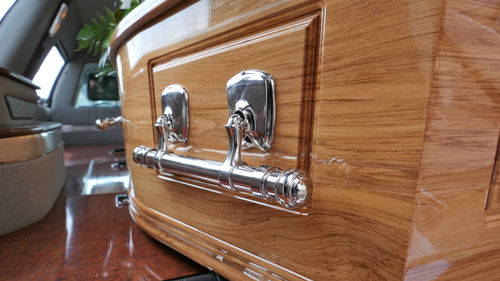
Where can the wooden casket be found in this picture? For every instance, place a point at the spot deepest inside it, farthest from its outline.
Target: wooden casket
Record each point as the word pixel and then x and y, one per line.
pixel 316 140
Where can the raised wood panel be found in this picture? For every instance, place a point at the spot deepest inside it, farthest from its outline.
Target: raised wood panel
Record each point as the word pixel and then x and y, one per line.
pixel 204 74
pixel 404 132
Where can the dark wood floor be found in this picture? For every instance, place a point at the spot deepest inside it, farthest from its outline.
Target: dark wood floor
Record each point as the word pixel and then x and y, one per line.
pixel 86 237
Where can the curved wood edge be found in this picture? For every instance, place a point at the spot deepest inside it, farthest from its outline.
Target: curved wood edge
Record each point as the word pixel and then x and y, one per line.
pixel 18 77
pixel 217 255
pixel 137 18
pixel 36 128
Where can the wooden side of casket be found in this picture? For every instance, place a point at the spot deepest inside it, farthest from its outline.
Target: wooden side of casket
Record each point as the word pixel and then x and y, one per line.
pixel 456 231
pixel 354 82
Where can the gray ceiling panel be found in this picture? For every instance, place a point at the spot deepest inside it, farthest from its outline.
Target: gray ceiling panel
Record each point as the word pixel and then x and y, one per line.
pixel 88 9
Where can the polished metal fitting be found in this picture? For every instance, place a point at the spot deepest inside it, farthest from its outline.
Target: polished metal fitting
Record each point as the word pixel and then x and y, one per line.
pixel 250 124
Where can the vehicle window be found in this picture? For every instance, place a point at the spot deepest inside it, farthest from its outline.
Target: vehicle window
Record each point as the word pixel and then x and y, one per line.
pixel 5 6
pixel 108 94
pixel 48 72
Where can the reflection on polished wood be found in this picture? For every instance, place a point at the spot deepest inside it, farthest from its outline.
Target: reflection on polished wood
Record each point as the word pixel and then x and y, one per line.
pixel 456 234
pixel 136 19
pixel 207 99
pixel 87 238
pixel 401 146
pixel 37 128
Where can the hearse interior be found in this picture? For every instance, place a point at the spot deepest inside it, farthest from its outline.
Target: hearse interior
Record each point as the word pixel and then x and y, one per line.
pixel 249 140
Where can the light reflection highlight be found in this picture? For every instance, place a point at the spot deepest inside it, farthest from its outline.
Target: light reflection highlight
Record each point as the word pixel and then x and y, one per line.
pixel 101 178
pixel 69 232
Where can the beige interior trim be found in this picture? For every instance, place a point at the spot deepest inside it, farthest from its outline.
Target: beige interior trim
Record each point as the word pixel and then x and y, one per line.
pixel 29 189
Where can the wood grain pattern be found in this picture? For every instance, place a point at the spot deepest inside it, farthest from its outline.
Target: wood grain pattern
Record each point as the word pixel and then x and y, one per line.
pixel 493 197
pixel 207 94
pixel 454 237
pixel 388 132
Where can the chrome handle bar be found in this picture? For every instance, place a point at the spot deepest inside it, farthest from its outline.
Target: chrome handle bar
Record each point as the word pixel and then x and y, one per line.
pixel 290 188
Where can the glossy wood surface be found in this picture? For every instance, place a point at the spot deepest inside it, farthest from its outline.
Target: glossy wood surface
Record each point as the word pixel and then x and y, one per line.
pixel 207 99
pixel 135 20
pixel 373 83
pixel 456 231
pixel 85 237
pixel 37 128
pixel 18 77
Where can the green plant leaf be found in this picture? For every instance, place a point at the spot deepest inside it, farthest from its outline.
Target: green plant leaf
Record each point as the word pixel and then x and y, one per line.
pixel 106 70
pixel 96 36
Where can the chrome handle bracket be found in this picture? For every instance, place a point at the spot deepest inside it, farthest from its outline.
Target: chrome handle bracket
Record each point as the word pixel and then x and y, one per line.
pixel 175 109
pixel 234 129
pixel 251 124
pixel 250 93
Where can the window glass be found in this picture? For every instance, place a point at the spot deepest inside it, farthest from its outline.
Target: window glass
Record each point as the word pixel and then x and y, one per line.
pixel 48 72
pixel 5 6
pixel 82 95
